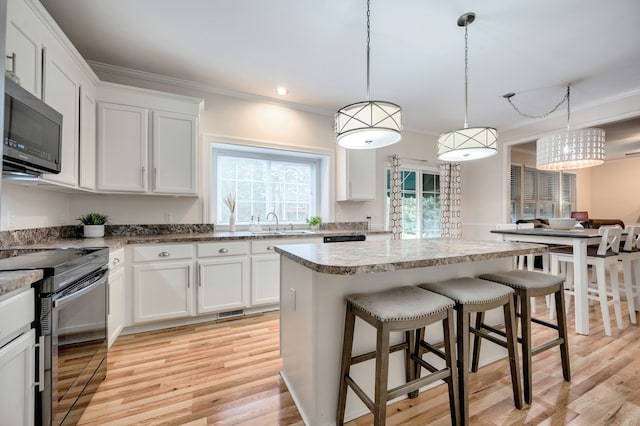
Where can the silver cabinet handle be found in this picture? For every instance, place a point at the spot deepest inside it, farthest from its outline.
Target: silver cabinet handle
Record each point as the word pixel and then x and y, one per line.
pixel 115 261
pixel 40 346
pixel 223 250
pixel 199 275
pixel 188 276
pixel 270 248
pixel 164 254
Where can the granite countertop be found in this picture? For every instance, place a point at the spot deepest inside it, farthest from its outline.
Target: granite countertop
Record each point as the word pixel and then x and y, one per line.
pixel 382 256
pixel 13 280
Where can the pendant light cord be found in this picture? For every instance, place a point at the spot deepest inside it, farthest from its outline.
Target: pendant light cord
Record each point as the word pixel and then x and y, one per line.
pixel 508 97
pixel 368 46
pixel 466 73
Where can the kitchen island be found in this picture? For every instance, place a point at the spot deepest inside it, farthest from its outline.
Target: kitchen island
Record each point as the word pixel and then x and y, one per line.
pixel 314 279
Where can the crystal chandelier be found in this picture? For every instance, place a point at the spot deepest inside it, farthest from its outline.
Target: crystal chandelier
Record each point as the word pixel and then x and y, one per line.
pixel 468 143
pixel 368 124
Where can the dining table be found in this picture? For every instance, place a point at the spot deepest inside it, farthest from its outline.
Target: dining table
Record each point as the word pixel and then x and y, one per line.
pixel 579 239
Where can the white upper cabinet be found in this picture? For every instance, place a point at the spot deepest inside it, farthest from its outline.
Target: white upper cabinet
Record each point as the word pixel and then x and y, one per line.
pixel 50 68
pixel 122 148
pixel 147 141
pixel 355 174
pixel 61 91
pixel 24 38
pixel 174 153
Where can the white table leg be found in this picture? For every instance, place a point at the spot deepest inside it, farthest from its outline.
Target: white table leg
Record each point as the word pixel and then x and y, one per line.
pixel 580 283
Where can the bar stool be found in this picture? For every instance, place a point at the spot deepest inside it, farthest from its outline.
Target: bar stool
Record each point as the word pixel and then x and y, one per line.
pixel 476 295
pixel 630 257
pixel 405 309
pixel 527 285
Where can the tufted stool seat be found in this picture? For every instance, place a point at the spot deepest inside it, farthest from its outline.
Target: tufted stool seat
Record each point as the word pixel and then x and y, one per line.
pixel 475 295
pixel 527 285
pixel 405 309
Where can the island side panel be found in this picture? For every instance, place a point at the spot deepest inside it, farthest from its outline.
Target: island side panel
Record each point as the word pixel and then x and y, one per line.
pixel 311 351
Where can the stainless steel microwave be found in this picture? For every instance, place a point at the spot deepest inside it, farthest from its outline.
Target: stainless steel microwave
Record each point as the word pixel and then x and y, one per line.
pixel 32 133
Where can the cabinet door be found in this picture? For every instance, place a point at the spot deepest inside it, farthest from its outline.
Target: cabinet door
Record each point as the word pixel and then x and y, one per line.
pixel 265 279
pixel 87 137
pixel 122 148
pixel 24 39
pixel 115 318
pixel 61 91
pixel 162 290
pixel 17 369
pixel 174 153
pixel 223 284
pixel 355 174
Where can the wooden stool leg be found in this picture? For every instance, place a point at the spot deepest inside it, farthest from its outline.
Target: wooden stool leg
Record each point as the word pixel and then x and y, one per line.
pixel 512 339
pixel 409 364
pixel 477 342
pixel 347 346
pixel 449 346
pixel 525 325
pixel 562 334
pixel 462 338
pixel 382 370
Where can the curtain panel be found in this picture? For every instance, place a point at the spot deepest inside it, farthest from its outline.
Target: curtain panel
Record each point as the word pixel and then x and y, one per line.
pixel 450 195
pixel 395 207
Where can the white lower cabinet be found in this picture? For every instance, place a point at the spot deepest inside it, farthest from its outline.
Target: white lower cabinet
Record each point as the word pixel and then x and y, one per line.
pixel 162 282
pixel 223 276
pixel 223 284
pixel 116 317
pixel 265 269
pixel 17 358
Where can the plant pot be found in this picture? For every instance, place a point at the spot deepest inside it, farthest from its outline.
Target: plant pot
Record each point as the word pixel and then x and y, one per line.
pixel 315 227
pixel 93 231
pixel 232 222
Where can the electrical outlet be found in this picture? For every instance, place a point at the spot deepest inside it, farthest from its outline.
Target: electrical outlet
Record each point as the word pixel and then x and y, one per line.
pixel 168 217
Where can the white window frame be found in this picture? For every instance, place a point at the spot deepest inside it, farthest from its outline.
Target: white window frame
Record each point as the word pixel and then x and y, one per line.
pixel 324 158
pixel 419 169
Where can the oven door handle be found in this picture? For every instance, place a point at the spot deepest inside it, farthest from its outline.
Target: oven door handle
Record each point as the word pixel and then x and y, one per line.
pixel 71 297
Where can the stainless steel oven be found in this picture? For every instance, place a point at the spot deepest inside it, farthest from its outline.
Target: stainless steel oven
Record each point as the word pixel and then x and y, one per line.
pixel 71 328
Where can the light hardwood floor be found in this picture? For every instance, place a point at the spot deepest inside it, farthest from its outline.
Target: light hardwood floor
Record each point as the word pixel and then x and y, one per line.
pixel 226 373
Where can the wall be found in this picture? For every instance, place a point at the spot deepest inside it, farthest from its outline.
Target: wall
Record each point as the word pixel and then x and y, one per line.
pixel 615 192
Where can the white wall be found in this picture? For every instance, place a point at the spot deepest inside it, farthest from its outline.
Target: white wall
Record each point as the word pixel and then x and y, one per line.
pixel 615 190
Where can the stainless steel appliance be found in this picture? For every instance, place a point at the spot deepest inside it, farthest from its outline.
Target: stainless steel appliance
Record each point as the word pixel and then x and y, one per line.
pixel 71 327
pixel 344 238
pixel 32 133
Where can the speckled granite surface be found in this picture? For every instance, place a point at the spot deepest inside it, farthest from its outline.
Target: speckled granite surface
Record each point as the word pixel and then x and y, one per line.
pixel 382 256
pixel 14 280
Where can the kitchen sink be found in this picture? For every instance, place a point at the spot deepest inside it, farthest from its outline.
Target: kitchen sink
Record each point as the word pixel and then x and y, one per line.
pixel 284 232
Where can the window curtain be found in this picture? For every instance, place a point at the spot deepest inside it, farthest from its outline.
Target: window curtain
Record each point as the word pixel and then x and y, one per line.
pixel 395 208
pixel 450 194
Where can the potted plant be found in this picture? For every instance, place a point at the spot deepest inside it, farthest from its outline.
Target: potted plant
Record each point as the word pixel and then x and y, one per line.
pixel 93 224
pixel 314 222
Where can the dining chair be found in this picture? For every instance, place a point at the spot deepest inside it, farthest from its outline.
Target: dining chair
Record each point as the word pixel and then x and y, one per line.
pixel 601 257
pixel 630 257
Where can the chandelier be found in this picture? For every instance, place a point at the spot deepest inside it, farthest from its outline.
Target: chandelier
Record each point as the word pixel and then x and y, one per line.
pixel 468 143
pixel 368 124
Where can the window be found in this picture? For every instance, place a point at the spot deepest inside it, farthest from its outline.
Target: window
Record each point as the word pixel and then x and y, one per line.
pixel 420 202
pixel 265 180
pixel 541 194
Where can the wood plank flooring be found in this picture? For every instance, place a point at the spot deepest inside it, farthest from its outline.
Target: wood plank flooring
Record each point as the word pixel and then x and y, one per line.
pixel 226 373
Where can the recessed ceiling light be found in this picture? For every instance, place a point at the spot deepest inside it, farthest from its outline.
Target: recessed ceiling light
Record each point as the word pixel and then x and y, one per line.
pixel 282 91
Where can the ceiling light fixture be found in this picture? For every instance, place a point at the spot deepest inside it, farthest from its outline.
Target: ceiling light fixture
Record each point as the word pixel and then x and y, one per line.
pixel 282 91
pixel 468 143
pixel 368 124
pixel 570 149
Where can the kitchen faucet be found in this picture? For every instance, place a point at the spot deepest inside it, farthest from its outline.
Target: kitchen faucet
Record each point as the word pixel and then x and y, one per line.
pixel 275 216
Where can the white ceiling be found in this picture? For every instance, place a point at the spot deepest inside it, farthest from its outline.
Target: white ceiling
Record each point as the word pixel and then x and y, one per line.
pixel 317 50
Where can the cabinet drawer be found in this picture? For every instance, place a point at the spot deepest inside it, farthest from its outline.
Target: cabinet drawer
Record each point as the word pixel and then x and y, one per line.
pixel 16 313
pixel 266 246
pixel 223 248
pixel 162 252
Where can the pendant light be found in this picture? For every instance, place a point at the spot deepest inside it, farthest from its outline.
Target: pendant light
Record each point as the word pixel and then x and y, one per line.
pixel 368 124
pixel 468 143
pixel 570 149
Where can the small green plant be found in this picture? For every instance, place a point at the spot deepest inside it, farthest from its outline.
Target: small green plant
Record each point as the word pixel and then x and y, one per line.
pixel 93 219
pixel 314 220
